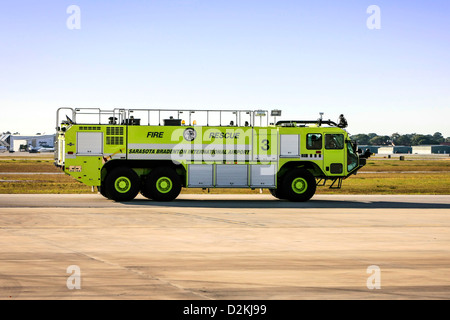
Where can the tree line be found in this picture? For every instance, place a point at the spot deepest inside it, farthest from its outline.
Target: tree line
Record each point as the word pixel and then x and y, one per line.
pixel 397 139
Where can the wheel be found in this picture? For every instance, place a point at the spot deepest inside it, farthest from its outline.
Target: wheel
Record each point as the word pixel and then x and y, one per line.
pixel 299 185
pixel 121 184
pixel 277 193
pixel 162 184
pixel 102 191
pixel 144 190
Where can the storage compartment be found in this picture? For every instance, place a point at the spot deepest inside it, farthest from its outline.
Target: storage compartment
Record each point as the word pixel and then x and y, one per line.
pixel 265 146
pixel 90 143
pixel 234 175
pixel 289 145
pixel 200 175
pixel 262 176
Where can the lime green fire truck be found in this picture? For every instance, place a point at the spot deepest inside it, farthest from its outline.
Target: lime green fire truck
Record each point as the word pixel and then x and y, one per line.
pixel 156 152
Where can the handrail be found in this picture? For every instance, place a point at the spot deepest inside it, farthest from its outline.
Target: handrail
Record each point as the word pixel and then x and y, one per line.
pixel 57 115
pixel 318 122
pixel 121 115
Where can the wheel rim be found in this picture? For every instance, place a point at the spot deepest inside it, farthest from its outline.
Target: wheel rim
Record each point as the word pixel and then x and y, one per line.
pixel 164 185
pixel 122 184
pixel 299 185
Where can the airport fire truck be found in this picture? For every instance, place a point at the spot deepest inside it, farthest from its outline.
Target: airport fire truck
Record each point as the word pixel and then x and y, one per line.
pixel 157 152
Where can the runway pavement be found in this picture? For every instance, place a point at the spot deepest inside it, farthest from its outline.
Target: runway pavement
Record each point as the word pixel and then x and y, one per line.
pixel 225 247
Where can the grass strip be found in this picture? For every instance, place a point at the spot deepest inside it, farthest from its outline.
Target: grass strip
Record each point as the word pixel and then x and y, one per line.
pixel 388 181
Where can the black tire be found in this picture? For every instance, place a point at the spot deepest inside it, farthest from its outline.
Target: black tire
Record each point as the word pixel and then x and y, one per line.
pixel 102 191
pixel 277 193
pixel 162 184
pixel 121 184
pixel 144 190
pixel 299 185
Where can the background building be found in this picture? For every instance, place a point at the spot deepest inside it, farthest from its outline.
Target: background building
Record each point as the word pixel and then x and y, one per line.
pixel 395 150
pixel 36 143
pixel 436 149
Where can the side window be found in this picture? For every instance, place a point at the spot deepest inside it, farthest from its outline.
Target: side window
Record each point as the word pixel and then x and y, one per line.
pixel 314 141
pixel 334 141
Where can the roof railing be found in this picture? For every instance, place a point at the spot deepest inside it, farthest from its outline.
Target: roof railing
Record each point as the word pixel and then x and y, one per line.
pixel 137 116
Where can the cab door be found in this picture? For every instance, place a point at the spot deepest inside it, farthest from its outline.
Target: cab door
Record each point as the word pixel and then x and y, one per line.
pixel 334 154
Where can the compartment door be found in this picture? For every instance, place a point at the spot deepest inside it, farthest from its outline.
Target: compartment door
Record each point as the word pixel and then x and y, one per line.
pixel 265 145
pixel 200 175
pixel 290 145
pixel 233 175
pixel 262 176
pixel 90 143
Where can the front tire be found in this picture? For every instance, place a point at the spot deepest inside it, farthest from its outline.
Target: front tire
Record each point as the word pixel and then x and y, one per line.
pixel 277 193
pixel 122 184
pixel 299 185
pixel 162 184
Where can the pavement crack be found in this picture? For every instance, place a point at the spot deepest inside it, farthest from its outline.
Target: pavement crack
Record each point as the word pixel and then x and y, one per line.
pixel 146 275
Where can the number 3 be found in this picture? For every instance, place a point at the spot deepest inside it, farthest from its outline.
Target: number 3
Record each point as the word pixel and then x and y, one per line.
pixel 265 145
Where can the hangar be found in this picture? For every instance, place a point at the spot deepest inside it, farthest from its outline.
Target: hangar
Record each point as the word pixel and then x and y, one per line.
pixel 394 150
pixel 36 143
pixel 432 149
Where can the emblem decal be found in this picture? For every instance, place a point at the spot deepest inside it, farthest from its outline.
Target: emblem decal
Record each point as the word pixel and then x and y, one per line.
pixel 189 134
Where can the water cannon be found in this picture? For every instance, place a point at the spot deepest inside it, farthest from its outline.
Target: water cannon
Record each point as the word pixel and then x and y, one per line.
pixel 342 122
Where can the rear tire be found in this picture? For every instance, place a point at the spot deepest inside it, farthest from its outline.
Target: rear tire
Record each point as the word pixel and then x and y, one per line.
pixel 144 190
pixel 121 184
pixel 162 184
pixel 299 185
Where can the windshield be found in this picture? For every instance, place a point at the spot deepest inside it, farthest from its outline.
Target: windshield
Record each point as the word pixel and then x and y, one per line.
pixel 352 157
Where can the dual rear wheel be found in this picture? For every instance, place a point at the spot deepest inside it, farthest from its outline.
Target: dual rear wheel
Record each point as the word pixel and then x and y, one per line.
pixel 123 184
pixel 162 184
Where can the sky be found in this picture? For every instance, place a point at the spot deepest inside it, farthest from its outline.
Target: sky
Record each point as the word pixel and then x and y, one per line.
pixel 303 57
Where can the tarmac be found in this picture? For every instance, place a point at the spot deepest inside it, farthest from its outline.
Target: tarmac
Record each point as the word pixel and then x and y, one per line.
pixel 225 247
